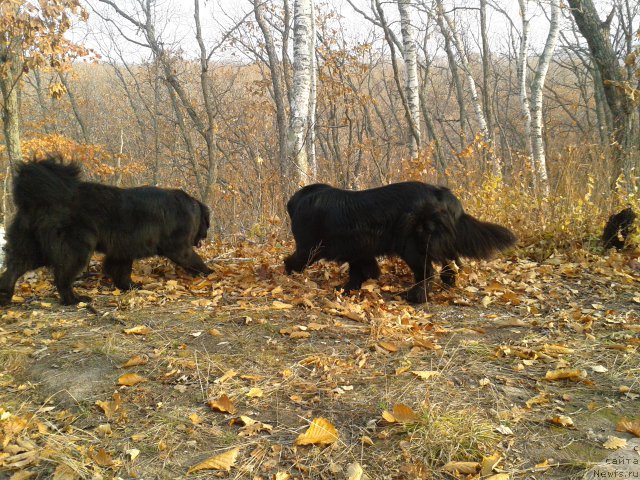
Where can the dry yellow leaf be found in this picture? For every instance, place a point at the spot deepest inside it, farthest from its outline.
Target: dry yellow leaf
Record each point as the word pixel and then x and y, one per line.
pixel 404 414
pixel 299 334
pixel 64 472
pixel 228 374
pixel 138 330
pixel 101 458
pixel 214 332
pixel 388 346
pixel 131 379
pixel 466 468
pixel 282 476
pixel 366 440
pixel 354 471
pixel 565 373
pixel 255 392
pixel 499 476
pixel 562 420
pixel 630 426
pixel 541 399
pixel 614 443
pixel 551 349
pixel 320 432
pixel 223 461
pixel 223 404
pixel 281 305
pixel 388 416
pixel 135 361
pixel 425 374
pixel 195 418
pixel 489 463
pixel 109 408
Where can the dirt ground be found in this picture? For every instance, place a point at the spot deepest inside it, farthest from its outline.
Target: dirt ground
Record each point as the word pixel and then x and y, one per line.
pixel 149 384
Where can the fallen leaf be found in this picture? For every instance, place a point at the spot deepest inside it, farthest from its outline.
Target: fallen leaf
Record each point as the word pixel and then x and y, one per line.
pixel 223 461
pixel 228 375
pixel 425 374
pixel 465 468
pixel 131 379
pixel 562 420
pixel 135 361
pixel 354 471
pixel 630 426
pixel 562 374
pixel 64 472
pixel 101 458
pixel 489 463
pixel 277 305
pixel 138 330
pixel 599 368
pixel 320 432
pixel 614 443
pixel 388 346
pixel 404 414
pixel 222 404
pixel 255 392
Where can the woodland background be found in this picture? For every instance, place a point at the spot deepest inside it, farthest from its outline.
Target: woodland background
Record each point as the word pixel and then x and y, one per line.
pixel 529 110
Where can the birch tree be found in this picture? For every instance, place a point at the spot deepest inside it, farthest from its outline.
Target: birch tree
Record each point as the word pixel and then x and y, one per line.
pixel 533 110
pixel 412 88
pixel 449 29
pixel 300 122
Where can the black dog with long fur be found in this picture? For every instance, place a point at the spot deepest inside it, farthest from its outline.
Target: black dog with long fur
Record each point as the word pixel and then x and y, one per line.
pixel 618 228
pixel 418 222
pixel 61 221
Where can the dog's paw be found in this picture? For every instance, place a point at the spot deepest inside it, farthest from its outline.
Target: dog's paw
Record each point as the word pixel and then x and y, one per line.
pixel 417 294
pixel 74 299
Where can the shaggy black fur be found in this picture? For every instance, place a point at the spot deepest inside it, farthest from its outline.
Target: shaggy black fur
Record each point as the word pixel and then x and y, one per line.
pixel 420 223
pixel 61 221
pixel 618 228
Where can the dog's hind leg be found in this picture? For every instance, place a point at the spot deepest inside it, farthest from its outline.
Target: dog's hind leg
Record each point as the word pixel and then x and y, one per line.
pixel 120 271
pixel 190 261
pixel 448 273
pixel 22 255
pixel 69 257
pixel 360 271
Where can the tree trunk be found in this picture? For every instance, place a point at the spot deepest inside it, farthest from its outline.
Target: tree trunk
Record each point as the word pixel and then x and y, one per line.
pixel 279 93
pixel 605 59
pixel 412 87
pixel 76 109
pixel 9 85
pixel 538 154
pixel 303 50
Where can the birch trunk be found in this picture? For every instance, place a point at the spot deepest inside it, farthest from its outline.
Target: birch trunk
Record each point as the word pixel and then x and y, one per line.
pixel 301 92
pixel 523 60
pixel 537 142
pixel 313 163
pixel 452 31
pixel 412 87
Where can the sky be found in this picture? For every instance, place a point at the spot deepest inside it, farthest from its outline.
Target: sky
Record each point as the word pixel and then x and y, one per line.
pixel 217 16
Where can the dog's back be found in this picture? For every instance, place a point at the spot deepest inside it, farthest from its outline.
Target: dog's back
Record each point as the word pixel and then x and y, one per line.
pixel 45 184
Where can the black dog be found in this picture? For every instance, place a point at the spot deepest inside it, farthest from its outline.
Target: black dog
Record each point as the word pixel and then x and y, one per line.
pixel 420 223
pixel 61 221
pixel 618 228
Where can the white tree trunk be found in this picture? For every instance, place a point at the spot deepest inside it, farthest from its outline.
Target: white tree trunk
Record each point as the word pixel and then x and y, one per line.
pixel 412 87
pixel 523 60
pixel 475 100
pixel 302 80
pixel 538 155
pixel 313 163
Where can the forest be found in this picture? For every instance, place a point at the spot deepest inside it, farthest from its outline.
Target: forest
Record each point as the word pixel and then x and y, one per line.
pixel 527 110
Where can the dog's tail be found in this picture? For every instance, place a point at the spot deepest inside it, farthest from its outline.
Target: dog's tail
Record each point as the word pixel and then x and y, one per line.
pixel 45 184
pixel 480 240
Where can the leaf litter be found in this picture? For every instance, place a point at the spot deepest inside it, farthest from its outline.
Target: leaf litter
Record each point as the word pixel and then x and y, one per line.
pixel 524 367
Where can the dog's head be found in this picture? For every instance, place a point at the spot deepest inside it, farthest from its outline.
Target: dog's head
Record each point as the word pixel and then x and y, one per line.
pixel 204 224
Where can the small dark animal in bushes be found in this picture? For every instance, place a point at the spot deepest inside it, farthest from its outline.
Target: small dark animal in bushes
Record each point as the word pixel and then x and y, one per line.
pixel 420 223
pixel 618 229
pixel 61 220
